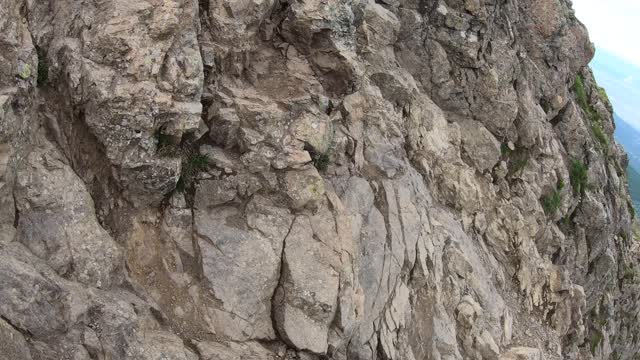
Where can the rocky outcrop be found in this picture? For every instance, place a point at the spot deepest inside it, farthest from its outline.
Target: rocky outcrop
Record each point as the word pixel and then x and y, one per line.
pixel 274 179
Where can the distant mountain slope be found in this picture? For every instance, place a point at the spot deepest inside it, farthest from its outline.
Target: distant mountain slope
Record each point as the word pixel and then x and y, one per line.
pixel 629 137
pixel 634 186
pixel 622 82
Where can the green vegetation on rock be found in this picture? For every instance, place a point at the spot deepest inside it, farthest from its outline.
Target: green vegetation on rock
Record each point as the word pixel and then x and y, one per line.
pixel 592 114
pixel 504 149
pixel 322 159
pixel 600 136
pixel 192 164
pixel 605 97
pixel 581 94
pixel 596 339
pixel 578 176
pixel 165 145
pixel 552 202
pixel 518 158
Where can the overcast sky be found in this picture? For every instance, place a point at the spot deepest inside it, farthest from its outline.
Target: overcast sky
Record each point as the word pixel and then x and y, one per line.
pixel 613 25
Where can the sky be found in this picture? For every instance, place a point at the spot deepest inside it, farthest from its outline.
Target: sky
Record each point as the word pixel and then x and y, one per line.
pixel 621 80
pixel 613 25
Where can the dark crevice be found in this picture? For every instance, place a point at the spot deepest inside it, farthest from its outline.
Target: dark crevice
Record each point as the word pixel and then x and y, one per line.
pixel 380 351
pixel 556 119
pixel 189 344
pixel 25 333
pixel 158 315
pixel 16 216
pixel 281 270
pixel 43 67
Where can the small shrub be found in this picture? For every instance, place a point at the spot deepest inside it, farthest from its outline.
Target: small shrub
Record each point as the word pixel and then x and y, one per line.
pixel 578 176
pixel 581 94
pixel 504 149
pixel 632 209
pixel 321 160
pixel 518 160
pixel 560 184
pixel 552 202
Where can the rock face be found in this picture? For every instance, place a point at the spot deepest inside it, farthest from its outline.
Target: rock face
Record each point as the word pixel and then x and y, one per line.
pixel 279 179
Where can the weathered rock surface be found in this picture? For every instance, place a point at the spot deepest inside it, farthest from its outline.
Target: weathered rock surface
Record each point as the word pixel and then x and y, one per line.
pixel 306 302
pixel 276 179
pixel 57 221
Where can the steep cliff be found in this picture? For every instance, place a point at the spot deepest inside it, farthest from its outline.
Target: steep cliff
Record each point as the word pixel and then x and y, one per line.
pixel 309 179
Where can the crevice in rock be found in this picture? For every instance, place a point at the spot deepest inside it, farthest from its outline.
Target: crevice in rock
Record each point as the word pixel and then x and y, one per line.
pixel 274 298
pixel 189 344
pixel 556 119
pixel 26 333
pixel 16 212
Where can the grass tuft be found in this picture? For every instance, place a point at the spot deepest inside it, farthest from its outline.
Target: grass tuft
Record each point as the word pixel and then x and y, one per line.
pixel 504 149
pixel 199 162
pixel 600 136
pixel 192 164
pixel 518 158
pixel 581 93
pixel 592 114
pixel 321 160
pixel 578 176
pixel 552 202
pixel 596 339
pixel 603 94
